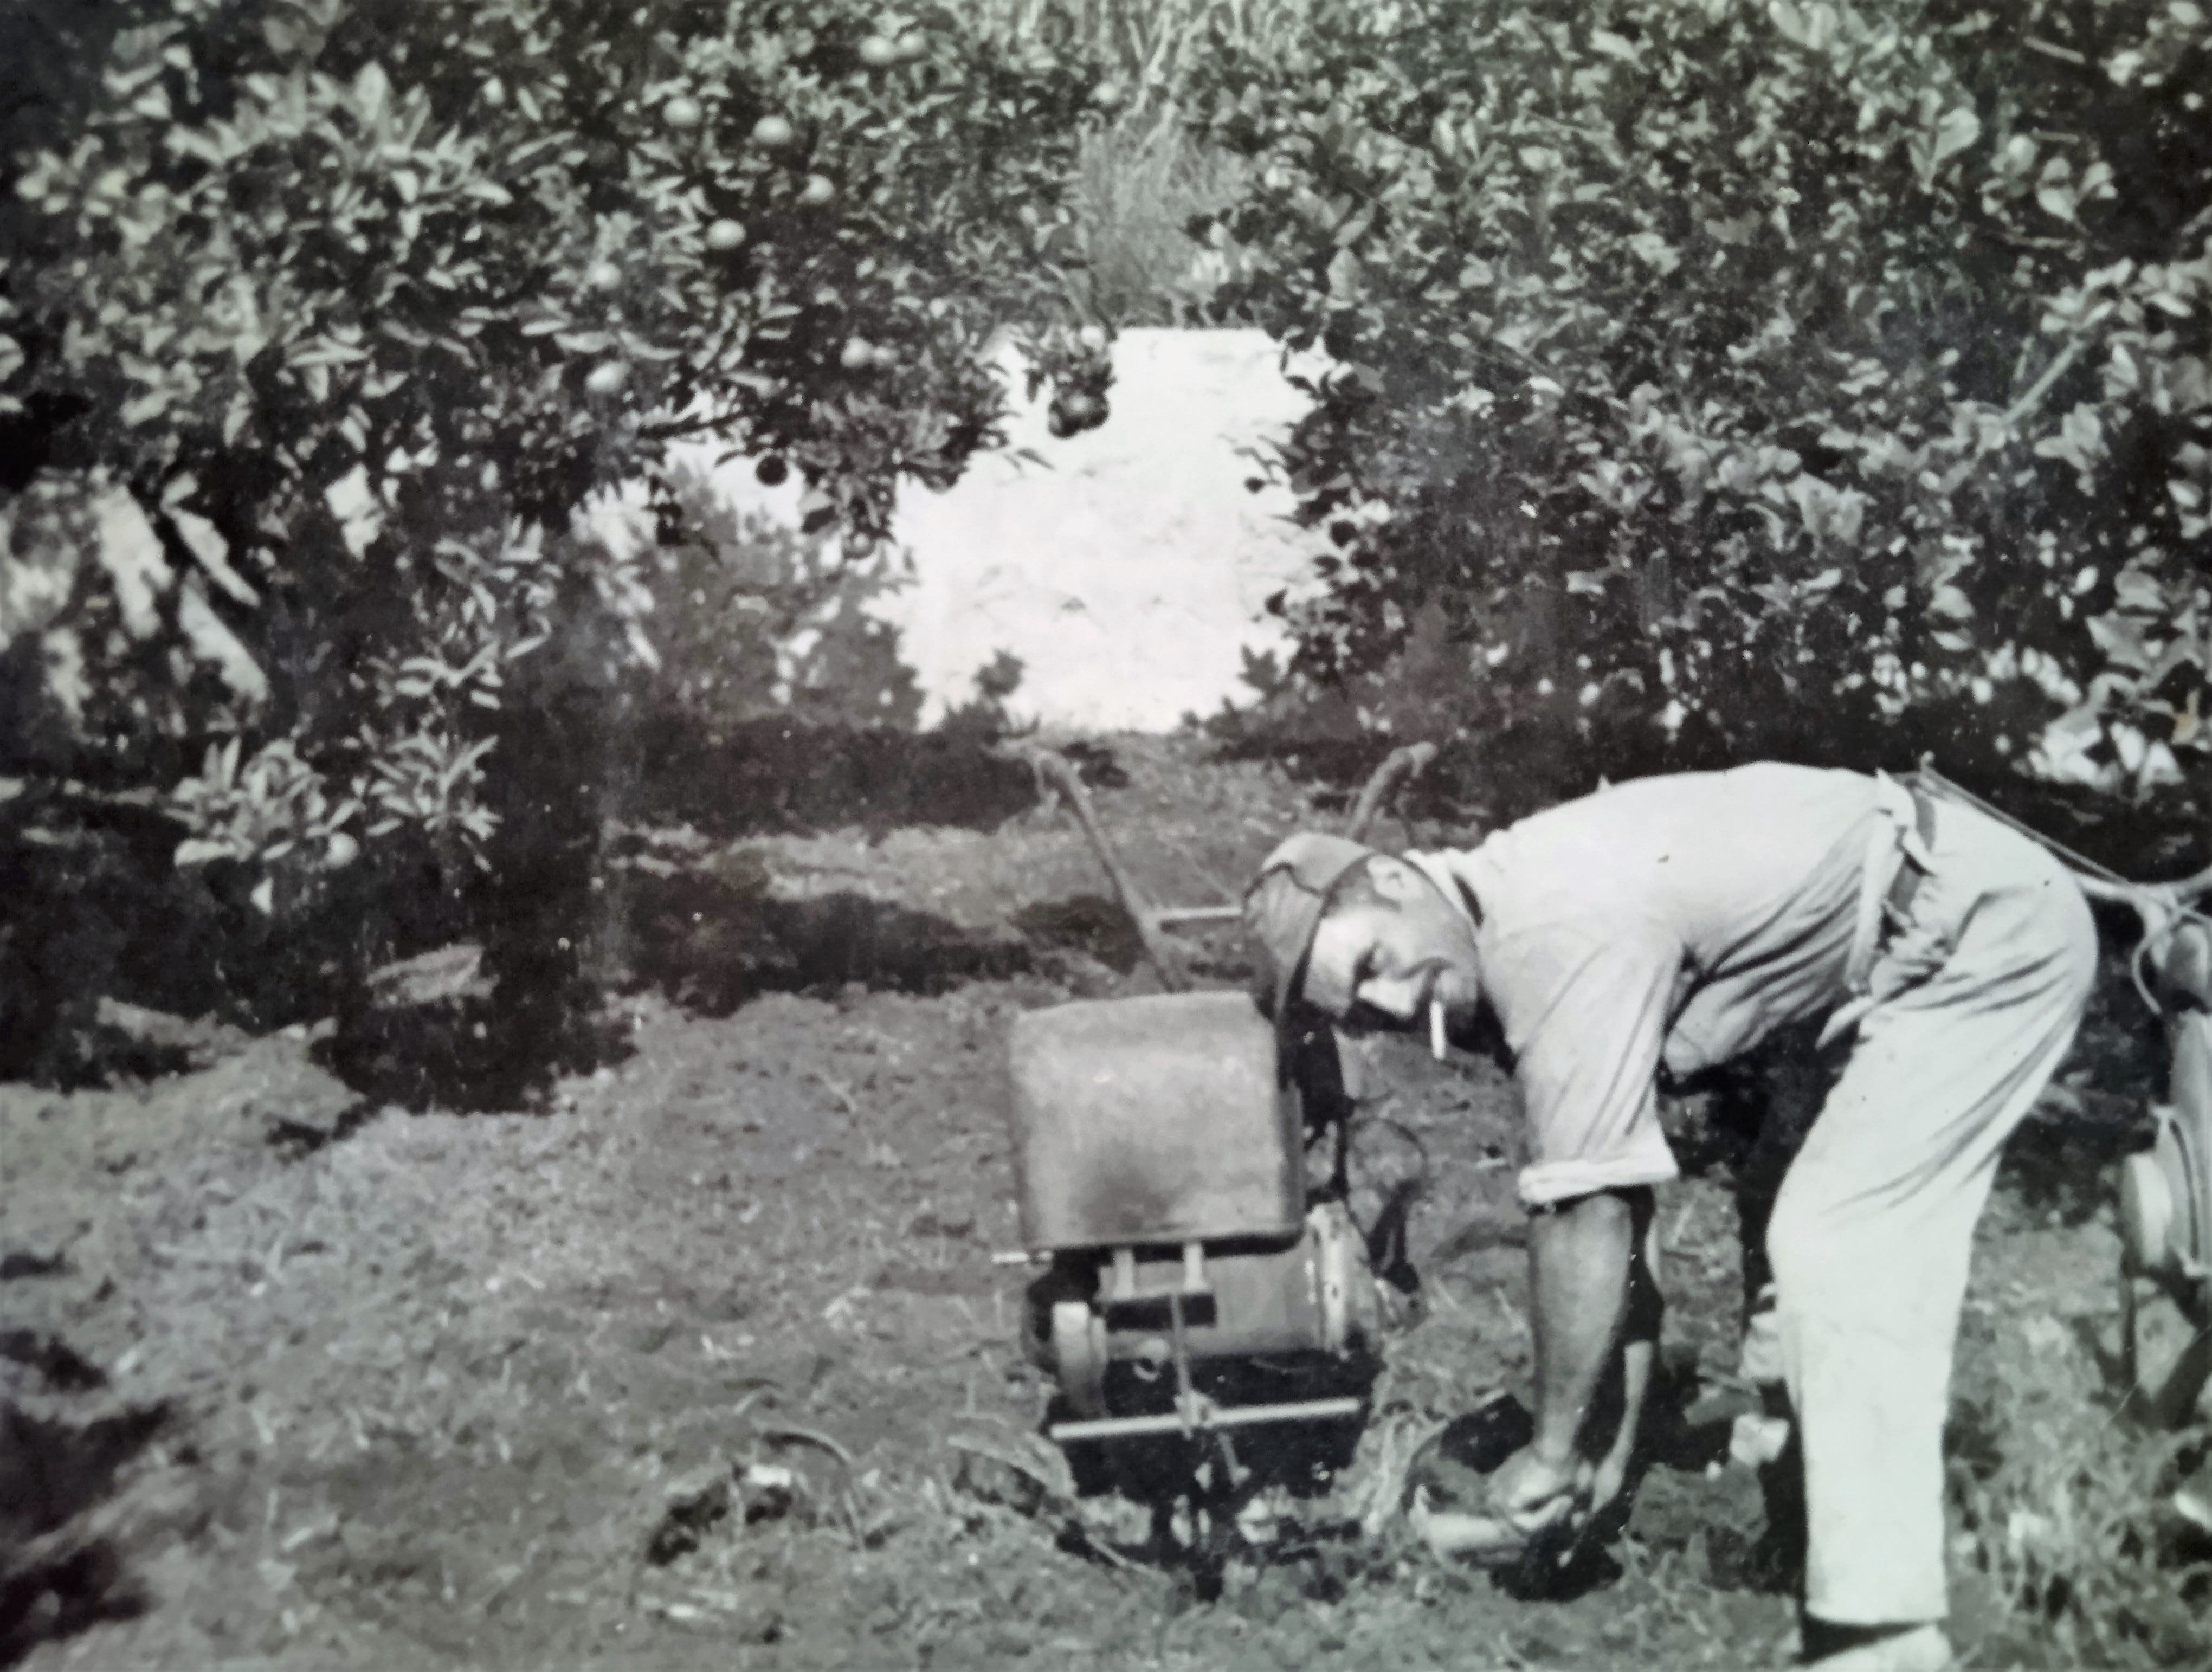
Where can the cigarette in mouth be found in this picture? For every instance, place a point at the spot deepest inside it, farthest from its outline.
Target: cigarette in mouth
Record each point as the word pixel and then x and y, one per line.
pixel 1435 1027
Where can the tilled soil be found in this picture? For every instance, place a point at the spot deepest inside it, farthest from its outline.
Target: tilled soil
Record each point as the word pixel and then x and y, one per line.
pixel 431 1391
pixel 709 1362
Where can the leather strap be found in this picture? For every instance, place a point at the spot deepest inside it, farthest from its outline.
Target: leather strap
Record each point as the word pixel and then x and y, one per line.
pixel 1890 839
pixel 1906 883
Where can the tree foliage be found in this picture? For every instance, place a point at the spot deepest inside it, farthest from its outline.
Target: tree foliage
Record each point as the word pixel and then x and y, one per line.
pixel 1726 379
pixel 753 619
pixel 321 319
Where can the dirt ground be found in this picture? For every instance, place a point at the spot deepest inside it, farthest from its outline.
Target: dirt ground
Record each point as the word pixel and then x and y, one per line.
pixel 300 1380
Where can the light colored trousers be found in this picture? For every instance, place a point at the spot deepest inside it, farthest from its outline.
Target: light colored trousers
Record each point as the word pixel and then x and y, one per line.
pixel 1978 997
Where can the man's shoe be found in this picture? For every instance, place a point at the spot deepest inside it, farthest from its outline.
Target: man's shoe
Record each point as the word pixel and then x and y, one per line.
pixel 1922 1648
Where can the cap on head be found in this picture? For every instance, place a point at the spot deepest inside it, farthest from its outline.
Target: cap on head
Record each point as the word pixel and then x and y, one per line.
pixel 1284 906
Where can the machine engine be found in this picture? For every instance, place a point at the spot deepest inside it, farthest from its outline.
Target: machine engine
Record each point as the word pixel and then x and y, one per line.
pixel 1193 1283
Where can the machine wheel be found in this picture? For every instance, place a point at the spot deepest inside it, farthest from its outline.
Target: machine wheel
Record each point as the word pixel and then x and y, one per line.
pixel 1067 1277
pixel 2165 1287
pixel 1078 1352
pixel 2165 1349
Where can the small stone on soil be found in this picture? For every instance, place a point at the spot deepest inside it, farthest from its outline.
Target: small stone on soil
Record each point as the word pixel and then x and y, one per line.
pixel 695 1503
pixel 771 1491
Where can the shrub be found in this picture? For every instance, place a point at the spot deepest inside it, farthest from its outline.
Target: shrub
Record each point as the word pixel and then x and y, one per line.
pixel 1150 48
pixel 1825 382
pixel 1142 173
pixel 321 319
pixel 2060 1521
pixel 331 316
pixel 1141 179
pixel 751 618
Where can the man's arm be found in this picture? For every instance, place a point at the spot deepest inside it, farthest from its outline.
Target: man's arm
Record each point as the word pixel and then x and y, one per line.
pixel 1578 1258
pixel 1590 1290
pixel 1639 1353
pixel 1592 1020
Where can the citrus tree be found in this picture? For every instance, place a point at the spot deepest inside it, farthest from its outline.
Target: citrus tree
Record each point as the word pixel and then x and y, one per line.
pixel 1725 379
pixel 321 320
pixel 331 315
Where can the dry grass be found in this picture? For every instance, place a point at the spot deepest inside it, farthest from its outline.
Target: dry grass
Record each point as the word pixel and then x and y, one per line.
pixel 2058 1503
pixel 1152 44
pixel 1142 176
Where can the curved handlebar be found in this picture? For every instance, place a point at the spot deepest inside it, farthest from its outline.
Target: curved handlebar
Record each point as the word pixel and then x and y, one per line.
pixel 2148 898
pixel 2161 907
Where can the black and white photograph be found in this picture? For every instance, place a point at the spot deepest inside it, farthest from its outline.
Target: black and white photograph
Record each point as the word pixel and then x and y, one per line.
pixel 1167 836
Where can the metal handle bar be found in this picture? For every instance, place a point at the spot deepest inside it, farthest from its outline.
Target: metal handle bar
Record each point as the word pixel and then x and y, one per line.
pixel 2146 897
pixel 2099 882
pixel 2160 907
pixel 1155 923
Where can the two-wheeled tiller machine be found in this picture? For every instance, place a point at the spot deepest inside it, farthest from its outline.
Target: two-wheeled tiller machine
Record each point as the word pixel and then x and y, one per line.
pixel 1203 1301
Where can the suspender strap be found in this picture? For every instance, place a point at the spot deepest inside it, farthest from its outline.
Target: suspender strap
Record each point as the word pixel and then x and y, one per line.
pixel 1898 858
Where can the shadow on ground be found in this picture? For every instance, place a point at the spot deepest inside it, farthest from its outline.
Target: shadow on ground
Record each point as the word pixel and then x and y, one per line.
pixel 708 934
pixel 710 943
pixel 787 776
pixel 64 1441
pixel 99 911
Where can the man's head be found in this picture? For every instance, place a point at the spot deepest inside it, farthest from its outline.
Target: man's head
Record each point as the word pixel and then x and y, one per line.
pixel 1360 936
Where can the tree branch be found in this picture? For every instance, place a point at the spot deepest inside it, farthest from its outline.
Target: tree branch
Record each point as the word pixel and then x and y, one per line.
pixel 2057 368
pixel 2052 50
pixel 669 431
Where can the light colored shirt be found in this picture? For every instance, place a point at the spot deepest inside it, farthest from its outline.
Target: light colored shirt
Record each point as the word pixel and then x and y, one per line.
pixel 1677 920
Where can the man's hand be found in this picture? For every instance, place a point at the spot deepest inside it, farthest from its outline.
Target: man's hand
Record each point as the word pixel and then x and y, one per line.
pixel 1530 1503
pixel 1533 1494
pixel 1607 1480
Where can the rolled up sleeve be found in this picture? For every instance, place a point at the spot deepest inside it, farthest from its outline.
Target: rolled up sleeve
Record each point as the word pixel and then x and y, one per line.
pixel 1584 1010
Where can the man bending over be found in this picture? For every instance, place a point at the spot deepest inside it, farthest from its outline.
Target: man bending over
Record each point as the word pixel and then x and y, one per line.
pixel 1678 921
